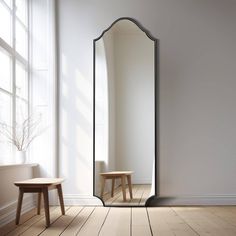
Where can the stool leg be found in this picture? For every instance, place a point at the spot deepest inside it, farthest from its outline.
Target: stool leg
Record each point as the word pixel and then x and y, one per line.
pixel 46 206
pixel 19 204
pixel 130 186
pixel 39 203
pixel 102 185
pixel 123 187
pixel 112 187
pixel 60 195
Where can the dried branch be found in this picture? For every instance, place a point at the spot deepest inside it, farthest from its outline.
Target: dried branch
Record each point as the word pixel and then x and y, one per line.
pixel 21 135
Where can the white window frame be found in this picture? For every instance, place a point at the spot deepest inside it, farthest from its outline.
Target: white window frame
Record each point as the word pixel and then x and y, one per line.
pixel 15 56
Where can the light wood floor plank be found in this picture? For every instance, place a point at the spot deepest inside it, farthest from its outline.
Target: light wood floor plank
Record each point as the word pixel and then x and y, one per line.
pixel 94 223
pixel 61 224
pixel 227 213
pixel 140 223
pixel 75 226
pixel 11 226
pixel 39 226
pixel 205 222
pixel 26 225
pixel 117 222
pixel 105 221
pixel 164 221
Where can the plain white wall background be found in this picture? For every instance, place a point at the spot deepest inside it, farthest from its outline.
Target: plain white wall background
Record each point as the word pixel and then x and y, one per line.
pixel 197 91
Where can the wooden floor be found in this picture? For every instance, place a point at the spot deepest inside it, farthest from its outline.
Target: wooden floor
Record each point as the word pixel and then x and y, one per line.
pixel 140 195
pixel 140 221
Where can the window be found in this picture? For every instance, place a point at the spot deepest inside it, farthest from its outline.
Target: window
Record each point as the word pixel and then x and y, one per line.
pixel 14 76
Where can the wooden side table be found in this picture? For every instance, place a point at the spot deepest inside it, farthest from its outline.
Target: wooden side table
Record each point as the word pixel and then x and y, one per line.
pixel 117 175
pixel 40 186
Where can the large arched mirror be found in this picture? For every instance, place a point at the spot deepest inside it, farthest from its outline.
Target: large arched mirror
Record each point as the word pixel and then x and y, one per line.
pixel 125 114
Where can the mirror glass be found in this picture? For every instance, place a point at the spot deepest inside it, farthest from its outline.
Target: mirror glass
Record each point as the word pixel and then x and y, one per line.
pixel 124 115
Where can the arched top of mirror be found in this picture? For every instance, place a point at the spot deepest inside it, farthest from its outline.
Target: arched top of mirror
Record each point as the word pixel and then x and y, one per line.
pixel 126 25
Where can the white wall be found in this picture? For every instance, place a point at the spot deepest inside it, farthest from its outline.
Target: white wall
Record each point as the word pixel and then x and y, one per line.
pixel 134 84
pixel 197 91
pixel 9 192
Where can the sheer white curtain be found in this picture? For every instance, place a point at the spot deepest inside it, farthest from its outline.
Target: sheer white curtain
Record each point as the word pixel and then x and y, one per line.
pixel 44 84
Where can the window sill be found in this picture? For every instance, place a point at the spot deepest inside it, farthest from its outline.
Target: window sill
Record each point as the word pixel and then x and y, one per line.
pixel 8 166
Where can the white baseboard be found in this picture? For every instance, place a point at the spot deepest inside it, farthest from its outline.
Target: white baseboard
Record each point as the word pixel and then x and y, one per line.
pixel 8 212
pixel 194 200
pixel 80 199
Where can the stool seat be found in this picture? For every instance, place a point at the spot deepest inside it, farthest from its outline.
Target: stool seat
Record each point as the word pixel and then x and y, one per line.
pixel 39 182
pixel 40 186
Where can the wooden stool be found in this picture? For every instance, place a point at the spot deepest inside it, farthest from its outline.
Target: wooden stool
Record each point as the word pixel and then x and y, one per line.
pixel 117 175
pixel 40 186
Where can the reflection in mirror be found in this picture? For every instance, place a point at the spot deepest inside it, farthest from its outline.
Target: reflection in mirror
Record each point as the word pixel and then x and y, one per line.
pixel 124 115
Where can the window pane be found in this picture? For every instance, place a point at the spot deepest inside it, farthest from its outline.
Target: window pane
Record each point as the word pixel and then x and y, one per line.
pixel 21 111
pixel 21 10
pixel 5 24
pixel 21 39
pixel 5 108
pixel 6 151
pixel 5 117
pixel 21 81
pixel 5 68
pixel 9 3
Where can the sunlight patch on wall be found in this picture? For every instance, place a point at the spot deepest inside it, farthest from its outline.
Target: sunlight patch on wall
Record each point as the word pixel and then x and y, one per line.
pixel 83 108
pixel 84 142
pixel 83 85
pixel 64 65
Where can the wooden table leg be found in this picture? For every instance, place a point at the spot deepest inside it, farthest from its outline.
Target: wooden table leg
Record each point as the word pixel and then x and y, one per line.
pixel 60 195
pixel 123 187
pixel 39 203
pixel 46 206
pixel 130 186
pixel 112 187
pixel 19 204
pixel 102 186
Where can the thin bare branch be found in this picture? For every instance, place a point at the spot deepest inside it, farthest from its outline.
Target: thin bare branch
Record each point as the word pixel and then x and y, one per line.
pixel 21 135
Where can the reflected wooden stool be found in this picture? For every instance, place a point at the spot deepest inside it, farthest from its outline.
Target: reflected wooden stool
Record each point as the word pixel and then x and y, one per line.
pixel 117 175
pixel 40 186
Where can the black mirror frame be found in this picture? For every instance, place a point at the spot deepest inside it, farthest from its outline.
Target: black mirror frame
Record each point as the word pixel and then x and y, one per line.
pixel 149 202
